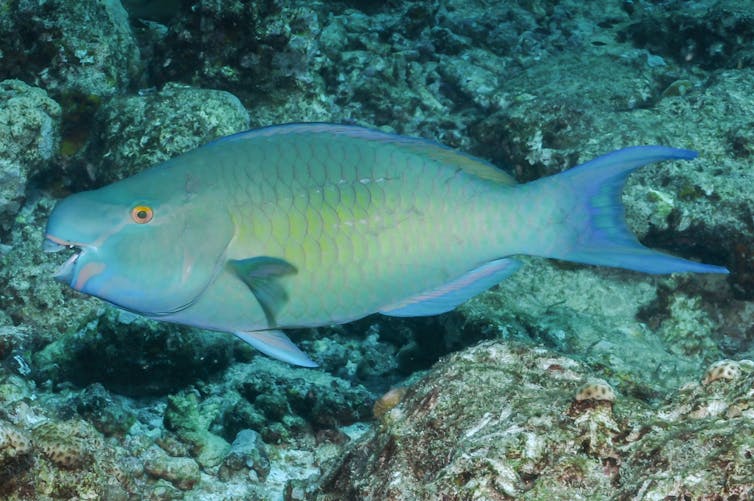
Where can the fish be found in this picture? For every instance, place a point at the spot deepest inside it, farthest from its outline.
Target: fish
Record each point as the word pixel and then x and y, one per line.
pixel 312 224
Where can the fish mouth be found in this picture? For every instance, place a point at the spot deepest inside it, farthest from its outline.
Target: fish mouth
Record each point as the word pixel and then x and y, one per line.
pixel 66 272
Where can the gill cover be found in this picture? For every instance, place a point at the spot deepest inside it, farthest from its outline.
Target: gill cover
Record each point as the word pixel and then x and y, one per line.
pixel 147 245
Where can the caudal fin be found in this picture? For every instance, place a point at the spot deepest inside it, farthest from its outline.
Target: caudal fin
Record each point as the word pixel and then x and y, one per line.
pixel 598 232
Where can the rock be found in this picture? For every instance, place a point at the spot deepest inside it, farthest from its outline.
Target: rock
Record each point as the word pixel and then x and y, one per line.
pixel 713 38
pixel 190 420
pixel 69 444
pixel 29 138
pixel 266 50
pixel 132 355
pixel 247 452
pixel 182 472
pixel 109 416
pixel 500 421
pixel 14 339
pixel 135 132
pixel 290 397
pixel 675 453
pixel 84 48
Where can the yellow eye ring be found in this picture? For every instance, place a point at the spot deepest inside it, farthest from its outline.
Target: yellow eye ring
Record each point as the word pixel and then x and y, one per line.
pixel 142 214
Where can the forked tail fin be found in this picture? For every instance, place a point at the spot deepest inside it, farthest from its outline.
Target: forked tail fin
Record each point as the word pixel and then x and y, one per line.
pixel 595 216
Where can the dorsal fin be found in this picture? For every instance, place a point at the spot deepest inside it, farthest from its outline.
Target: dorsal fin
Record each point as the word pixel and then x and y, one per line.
pixel 432 149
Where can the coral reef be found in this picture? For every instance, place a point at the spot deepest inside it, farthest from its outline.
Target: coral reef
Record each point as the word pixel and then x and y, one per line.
pixel 598 383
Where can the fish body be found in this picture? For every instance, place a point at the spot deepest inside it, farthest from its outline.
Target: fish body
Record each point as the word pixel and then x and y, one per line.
pixel 313 224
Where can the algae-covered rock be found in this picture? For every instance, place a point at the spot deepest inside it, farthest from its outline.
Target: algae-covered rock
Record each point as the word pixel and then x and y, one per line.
pixel 15 454
pixel 247 453
pixel 135 132
pixel 29 138
pixel 84 47
pixel 181 472
pixel 294 397
pixel 99 407
pixel 190 420
pixel 501 421
pixel 132 355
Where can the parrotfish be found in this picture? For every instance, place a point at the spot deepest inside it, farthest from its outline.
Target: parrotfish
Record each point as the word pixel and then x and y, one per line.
pixel 304 225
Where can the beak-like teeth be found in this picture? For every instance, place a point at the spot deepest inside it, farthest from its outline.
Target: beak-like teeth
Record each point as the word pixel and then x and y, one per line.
pixel 50 246
pixel 65 273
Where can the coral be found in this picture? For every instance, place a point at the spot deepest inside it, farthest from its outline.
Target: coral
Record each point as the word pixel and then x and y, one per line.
pixel 190 420
pixel 13 442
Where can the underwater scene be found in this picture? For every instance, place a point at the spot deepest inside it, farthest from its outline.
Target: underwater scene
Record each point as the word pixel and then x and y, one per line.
pixel 376 250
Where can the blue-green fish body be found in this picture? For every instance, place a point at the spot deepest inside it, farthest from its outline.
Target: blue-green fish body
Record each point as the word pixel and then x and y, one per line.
pixel 314 224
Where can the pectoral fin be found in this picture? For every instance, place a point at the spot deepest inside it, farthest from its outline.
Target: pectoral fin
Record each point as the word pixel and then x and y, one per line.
pixel 275 344
pixel 262 276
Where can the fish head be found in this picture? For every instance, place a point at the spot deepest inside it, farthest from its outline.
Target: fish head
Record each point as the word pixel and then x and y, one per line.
pixel 146 245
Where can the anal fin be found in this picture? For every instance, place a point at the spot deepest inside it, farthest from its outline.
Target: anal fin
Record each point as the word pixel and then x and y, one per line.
pixel 275 344
pixel 449 295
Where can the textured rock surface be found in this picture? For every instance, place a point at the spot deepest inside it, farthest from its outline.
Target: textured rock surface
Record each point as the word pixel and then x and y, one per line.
pixel 29 138
pixel 499 421
pixel 132 355
pixel 85 48
pixel 135 132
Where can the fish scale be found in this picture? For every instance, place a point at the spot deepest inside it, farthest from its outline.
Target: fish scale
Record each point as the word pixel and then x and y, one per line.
pixel 330 259
pixel 313 224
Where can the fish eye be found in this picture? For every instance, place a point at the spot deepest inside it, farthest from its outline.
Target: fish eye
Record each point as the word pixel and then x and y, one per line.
pixel 142 214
